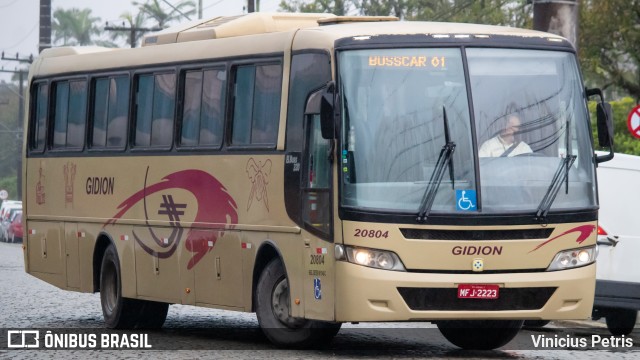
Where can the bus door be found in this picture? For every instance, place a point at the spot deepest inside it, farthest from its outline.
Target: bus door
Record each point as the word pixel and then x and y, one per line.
pixel 317 219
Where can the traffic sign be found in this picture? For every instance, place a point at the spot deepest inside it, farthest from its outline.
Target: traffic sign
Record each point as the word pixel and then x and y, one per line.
pixel 633 122
pixel 4 194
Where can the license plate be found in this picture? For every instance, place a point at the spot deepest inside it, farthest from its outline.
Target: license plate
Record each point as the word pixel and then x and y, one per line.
pixel 478 291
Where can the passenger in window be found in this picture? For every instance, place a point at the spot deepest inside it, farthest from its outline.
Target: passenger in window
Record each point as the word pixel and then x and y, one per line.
pixel 505 143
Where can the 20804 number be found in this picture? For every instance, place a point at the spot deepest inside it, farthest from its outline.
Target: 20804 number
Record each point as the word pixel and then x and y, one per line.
pixel 371 233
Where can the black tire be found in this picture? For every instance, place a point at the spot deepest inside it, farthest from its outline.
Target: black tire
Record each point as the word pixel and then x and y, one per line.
pixel 621 321
pixel 536 323
pixel 479 334
pixel 118 312
pixel 152 314
pixel 272 309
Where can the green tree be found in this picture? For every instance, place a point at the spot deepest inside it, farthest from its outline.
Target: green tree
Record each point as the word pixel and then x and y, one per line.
pixel 337 7
pixel 609 44
pixel 10 136
pixel 154 10
pixel 74 27
pixel 496 12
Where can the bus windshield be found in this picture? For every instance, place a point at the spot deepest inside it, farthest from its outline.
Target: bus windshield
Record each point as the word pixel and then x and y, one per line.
pixel 528 111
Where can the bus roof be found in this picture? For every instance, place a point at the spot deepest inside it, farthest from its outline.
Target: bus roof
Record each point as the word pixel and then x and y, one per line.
pixel 192 41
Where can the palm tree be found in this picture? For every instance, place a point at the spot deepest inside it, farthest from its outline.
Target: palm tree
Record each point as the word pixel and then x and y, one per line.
pixel 154 10
pixel 132 22
pixel 74 26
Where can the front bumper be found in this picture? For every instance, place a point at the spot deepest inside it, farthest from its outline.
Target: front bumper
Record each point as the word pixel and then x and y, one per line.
pixel 367 294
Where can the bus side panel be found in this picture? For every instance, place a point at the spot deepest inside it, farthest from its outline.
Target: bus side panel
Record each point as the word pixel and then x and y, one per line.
pixel 46 251
pixel 157 278
pixel 87 234
pixel 71 255
pixel 219 275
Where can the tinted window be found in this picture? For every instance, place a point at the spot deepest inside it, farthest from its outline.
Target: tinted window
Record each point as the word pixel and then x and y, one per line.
pixel 203 112
pixel 40 120
pixel 70 114
pixel 155 110
pixel 110 112
pixel 257 105
pixel 241 133
pixel 100 110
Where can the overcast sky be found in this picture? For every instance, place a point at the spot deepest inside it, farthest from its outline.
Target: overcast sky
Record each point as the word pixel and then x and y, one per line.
pixel 19 19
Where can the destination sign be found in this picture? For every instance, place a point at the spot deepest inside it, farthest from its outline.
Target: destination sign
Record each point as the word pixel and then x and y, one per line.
pixel 408 61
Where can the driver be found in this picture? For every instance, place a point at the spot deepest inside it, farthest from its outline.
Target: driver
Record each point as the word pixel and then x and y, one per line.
pixel 505 144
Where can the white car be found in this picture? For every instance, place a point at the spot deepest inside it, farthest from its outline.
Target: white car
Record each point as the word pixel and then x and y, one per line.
pixel 618 270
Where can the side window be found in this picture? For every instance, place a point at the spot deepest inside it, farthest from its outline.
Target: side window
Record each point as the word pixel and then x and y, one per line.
pixel 203 111
pixel 257 105
pixel 110 112
pixel 70 114
pixel 39 119
pixel 316 186
pixel 155 102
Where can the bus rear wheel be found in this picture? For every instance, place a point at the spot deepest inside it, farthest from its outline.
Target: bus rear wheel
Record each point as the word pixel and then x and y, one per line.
pixel 152 314
pixel 118 312
pixel 479 334
pixel 273 306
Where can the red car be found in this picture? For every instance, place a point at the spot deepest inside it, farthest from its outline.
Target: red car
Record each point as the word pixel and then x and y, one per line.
pixel 14 232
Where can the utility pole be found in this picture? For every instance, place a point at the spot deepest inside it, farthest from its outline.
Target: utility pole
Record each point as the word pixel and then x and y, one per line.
pixel 132 31
pixel 20 119
pixel 199 9
pixel 45 25
pixel 558 17
pixel 251 6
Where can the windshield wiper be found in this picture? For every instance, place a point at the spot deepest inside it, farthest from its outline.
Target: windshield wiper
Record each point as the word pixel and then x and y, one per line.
pixel 444 158
pixel 562 174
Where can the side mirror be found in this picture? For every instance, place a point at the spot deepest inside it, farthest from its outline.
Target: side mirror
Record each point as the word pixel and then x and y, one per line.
pixel 327 112
pixel 605 124
pixel 322 102
pixel 604 115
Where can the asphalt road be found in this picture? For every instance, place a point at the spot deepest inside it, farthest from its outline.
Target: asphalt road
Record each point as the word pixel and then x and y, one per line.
pixel 191 332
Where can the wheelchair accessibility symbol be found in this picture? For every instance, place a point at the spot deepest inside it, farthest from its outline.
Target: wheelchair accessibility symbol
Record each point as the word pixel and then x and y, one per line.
pixel 465 200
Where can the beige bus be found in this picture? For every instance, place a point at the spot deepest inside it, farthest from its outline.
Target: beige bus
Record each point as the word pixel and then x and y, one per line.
pixel 317 170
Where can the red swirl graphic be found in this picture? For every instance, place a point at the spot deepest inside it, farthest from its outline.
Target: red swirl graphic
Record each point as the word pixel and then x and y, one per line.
pixel 583 230
pixel 216 208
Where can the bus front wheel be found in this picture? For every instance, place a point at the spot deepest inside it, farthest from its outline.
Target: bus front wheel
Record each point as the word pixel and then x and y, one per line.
pixel 479 334
pixel 273 306
pixel 118 312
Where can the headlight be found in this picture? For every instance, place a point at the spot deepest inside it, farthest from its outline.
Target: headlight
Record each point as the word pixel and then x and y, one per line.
pixel 573 258
pixel 379 259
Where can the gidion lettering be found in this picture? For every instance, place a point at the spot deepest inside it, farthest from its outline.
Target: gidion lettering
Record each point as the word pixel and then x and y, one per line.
pixel 100 186
pixel 477 250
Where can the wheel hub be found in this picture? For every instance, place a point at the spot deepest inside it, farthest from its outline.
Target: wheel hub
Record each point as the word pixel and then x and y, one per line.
pixel 281 304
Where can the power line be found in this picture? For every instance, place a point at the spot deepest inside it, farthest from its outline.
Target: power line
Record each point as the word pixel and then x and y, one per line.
pixel 9 4
pixel 214 4
pixel 176 9
pixel 133 30
pixel 24 38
